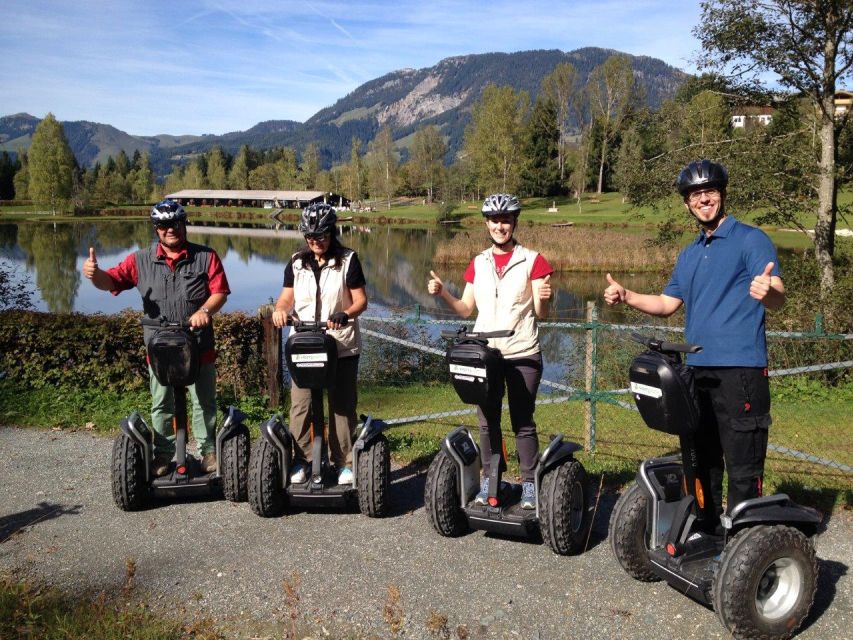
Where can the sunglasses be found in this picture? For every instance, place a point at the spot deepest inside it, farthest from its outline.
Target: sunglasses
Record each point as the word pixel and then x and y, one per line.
pixel 172 224
pixel 316 237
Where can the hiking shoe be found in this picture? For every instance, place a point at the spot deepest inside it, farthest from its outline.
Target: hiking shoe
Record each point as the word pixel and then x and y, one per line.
pixel 208 462
pixel 483 497
pixel 528 495
pixel 298 474
pixel 161 464
pixel 345 476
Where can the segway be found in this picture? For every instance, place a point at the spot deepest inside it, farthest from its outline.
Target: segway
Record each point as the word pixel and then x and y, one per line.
pixel 311 355
pixel 759 572
pixel 453 480
pixel 174 356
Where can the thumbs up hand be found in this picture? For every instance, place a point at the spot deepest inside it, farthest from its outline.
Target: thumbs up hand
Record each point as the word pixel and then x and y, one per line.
pixel 760 285
pixel 614 293
pixel 435 285
pixel 90 267
pixel 545 288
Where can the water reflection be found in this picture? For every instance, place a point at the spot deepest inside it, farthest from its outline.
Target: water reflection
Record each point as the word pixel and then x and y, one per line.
pixel 396 262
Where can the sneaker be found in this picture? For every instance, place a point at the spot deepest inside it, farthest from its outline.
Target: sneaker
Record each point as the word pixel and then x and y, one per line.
pixel 528 495
pixel 208 462
pixel 345 476
pixel 298 473
pixel 483 497
pixel 161 463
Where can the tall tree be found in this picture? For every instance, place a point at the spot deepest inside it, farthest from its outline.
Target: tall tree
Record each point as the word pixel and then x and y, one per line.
pixel 541 173
pixel 238 177
pixel 382 166
pixel 51 165
pixel 808 45
pixel 562 86
pixel 8 168
pixel 611 94
pixel 194 175
pixel 21 181
pixel 142 179
pixel 310 165
pixel 217 176
pixel 495 136
pixel 354 175
pixel 426 160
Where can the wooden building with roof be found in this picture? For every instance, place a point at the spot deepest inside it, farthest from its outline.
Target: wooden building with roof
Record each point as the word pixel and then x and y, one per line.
pixel 268 199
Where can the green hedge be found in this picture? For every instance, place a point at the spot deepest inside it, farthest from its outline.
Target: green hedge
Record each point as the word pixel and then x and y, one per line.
pixel 105 351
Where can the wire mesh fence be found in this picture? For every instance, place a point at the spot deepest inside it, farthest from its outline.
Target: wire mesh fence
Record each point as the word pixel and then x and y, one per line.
pixel 583 394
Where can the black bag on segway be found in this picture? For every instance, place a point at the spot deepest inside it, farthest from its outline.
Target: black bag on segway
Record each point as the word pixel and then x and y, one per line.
pixel 312 359
pixel 665 393
pixel 476 371
pixel 174 357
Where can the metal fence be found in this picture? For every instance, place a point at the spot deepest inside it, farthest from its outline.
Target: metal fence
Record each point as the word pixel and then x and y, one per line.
pixel 583 393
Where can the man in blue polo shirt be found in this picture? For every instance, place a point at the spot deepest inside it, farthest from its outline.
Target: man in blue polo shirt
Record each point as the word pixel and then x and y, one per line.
pixel 726 279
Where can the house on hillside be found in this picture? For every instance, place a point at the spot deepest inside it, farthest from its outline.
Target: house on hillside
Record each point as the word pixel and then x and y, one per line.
pixel 268 199
pixel 742 116
pixel 843 103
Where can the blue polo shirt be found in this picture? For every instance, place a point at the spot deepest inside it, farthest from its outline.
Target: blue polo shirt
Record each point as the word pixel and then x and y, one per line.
pixel 712 277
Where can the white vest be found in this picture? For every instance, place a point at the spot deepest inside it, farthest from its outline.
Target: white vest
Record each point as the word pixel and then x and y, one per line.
pixel 507 302
pixel 334 296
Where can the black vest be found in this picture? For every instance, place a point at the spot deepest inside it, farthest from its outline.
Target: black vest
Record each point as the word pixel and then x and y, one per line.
pixel 178 294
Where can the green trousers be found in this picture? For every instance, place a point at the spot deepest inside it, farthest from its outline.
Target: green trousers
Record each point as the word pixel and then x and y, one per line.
pixel 203 395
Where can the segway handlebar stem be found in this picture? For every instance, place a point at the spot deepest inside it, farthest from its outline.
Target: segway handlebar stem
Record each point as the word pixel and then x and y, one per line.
pixel 665 347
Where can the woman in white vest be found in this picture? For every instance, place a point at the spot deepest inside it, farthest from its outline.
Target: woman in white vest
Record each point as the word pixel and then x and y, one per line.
pixel 325 281
pixel 510 287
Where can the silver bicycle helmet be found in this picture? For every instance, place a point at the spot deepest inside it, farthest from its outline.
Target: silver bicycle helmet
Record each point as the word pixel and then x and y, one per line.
pixel 499 203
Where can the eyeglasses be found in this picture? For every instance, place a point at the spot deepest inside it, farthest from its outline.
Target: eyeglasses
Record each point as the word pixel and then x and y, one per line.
pixel 696 196
pixel 316 237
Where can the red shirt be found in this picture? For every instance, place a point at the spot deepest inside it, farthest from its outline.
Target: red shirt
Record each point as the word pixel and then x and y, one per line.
pixel 541 267
pixel 126 276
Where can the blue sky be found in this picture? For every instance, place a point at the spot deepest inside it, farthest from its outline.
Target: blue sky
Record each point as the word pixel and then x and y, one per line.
pixel 211 66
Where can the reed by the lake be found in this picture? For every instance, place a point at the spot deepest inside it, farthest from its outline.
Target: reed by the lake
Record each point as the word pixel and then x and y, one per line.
pixel 569 249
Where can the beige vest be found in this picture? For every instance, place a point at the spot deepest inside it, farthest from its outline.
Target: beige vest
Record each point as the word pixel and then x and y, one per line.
pixel 334 296
pixel 507 302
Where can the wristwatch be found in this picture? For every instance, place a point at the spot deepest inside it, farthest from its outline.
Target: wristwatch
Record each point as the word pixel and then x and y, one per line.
pixel 205 310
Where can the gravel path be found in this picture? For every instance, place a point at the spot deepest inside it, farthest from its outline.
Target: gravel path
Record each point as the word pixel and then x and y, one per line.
pixel 58 524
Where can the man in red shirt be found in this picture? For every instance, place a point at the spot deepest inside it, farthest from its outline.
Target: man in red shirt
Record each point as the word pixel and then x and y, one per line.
pixel 182 282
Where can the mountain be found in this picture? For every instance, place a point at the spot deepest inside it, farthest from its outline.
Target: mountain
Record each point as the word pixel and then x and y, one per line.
pixel 442 95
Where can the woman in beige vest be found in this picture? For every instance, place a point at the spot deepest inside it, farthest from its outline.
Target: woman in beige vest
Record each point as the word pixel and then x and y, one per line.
pixel 509 285
pixel 325 281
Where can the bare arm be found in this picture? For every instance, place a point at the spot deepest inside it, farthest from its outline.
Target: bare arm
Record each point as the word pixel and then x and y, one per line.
pixel 655 305
pixel 463 306
pixel 542 296
pixel 359 302
pixel 767 289
pixel 283 307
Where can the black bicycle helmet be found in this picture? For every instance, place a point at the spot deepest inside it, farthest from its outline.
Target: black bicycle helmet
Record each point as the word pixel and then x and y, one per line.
pixel 168 211
pixel 702 174
pixel 499 203
pixel 318 218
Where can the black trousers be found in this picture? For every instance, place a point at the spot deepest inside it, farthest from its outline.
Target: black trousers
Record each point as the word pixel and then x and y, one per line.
pixel 734 408
pixel 522 383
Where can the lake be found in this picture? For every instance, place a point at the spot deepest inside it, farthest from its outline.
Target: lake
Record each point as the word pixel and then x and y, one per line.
pixel 396 263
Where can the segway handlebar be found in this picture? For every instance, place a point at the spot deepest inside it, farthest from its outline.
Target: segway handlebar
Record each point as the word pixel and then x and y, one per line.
pixel 665 347
pixel 162 323
pixel 308 325
pixel 463 333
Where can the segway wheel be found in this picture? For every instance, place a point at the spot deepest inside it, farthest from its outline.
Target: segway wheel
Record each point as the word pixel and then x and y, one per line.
pixel 374 478
pixel 629 534
pixel 234 466
pixel 267 496
pixel 442 498
pixel 766 582
pixel 130 491
pixel 564 516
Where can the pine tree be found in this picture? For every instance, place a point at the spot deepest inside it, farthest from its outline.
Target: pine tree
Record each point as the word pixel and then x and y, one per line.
pixel 51 166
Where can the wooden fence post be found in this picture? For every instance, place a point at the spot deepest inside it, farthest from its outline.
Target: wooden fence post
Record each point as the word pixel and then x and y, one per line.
pixel 271 351
pixel 589 374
